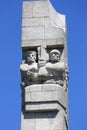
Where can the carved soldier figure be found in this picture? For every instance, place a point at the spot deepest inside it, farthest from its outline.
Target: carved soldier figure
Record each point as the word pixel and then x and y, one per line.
pixel 29 69
pixel 44 68
pixel 55 67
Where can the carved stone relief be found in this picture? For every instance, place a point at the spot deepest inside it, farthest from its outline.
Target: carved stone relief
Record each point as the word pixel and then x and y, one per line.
pixel 44 69
pixel 38 69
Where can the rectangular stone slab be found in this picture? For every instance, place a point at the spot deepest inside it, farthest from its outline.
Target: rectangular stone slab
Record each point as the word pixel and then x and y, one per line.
pixel 46 93
pixel 43 107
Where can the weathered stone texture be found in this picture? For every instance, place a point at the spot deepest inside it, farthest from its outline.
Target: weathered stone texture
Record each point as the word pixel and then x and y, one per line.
pixel 31 22
pixel 44 68
pixel 39 16
pixel 47 42
pixel 40 9
pixel 31 33
pixel 46 93
pixel 27 9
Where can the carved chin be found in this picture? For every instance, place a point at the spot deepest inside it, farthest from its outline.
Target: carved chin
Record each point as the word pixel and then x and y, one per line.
pixel 55 60
pixel 31 60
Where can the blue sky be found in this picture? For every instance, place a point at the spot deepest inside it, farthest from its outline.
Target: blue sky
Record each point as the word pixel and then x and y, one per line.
pixel 10 57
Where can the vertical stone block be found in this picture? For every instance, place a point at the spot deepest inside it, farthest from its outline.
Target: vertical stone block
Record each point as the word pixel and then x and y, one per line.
pixel 32 22
pixel 27 9
pixel 31 33
pixel 44 69
pixel 40 9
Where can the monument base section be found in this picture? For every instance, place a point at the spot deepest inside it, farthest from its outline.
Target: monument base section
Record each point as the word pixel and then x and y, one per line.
pixel 44 108
pixel 45 97
pixel 44 121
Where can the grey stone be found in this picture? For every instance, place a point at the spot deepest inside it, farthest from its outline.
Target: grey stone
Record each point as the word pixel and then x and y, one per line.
pixel 29 22
pixel 28 122
pixel 47 42
pixel 44 68
pixel 27 9
pixel 33 88
pixel 46 93
pixel 40 9
pixel 30 43
pixel 37 107
pixel 31 33
pixel 53 32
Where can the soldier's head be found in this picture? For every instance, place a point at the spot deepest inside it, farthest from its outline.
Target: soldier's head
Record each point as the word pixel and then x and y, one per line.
pixel 55 55
pixel 31 56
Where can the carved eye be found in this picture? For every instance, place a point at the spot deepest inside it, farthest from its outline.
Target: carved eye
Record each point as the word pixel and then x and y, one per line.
pixel 33 55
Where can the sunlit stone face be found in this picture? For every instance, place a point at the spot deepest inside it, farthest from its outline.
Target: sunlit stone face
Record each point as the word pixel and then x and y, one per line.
pixel 55 55
pixel 31 56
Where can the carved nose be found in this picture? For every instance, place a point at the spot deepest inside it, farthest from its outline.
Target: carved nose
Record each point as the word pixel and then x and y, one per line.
pixel 53 54
pixel 30 56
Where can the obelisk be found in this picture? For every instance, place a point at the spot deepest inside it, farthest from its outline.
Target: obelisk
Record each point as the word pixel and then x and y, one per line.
pixel 44 68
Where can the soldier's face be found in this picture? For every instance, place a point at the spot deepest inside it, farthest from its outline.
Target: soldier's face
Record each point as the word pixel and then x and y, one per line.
pixel 55 57
pixel 31 57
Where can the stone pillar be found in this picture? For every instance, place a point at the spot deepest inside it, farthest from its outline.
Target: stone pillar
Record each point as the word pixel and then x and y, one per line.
pixel 44 69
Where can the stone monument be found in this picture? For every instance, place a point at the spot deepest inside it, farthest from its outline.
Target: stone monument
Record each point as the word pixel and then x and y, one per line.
pixel 44 69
